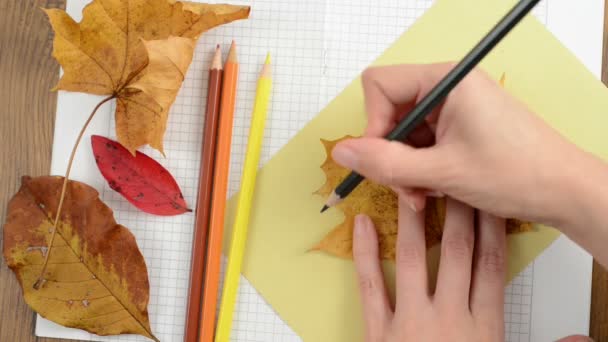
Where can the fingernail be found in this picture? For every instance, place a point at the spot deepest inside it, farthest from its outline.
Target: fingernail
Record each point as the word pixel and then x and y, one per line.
pixel 435 193
pixel 360 225
pixel 345 156
pixel 411 204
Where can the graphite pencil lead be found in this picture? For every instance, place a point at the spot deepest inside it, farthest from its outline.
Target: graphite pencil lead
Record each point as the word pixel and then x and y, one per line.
pixel 332 201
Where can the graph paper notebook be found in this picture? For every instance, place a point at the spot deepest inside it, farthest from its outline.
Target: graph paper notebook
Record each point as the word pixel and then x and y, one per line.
pixel 318 48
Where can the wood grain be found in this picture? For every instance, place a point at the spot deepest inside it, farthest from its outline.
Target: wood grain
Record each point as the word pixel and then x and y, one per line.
pixel 28 114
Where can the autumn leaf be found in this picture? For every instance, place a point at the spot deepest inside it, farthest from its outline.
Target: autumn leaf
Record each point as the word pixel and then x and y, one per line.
pixel 380 204
pixel 96 278
pixel 121 47
pixel 140 179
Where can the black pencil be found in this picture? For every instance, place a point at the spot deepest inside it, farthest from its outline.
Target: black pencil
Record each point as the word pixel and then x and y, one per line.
pixel 441 90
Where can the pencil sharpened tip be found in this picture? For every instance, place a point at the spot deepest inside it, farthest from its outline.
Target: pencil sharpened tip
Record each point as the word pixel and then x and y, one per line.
pixel 325 207
pixel 216 62
pixel 232 53
pixel 266 67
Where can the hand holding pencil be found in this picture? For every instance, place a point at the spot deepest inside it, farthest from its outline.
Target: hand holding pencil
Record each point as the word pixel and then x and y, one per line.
pixel 439 92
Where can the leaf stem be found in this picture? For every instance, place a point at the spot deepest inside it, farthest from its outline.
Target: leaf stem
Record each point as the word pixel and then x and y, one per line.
pixel 41 280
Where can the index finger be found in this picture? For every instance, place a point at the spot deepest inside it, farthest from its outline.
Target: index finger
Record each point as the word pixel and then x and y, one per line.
pixel 391 91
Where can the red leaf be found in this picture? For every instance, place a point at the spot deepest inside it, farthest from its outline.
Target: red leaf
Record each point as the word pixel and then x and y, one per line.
pixel 140 179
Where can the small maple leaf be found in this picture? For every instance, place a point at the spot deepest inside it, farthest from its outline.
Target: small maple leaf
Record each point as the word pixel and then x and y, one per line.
pixel 138 51
pixel 380 204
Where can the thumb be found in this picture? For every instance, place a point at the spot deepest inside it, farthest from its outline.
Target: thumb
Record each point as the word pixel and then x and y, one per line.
pixel 392 163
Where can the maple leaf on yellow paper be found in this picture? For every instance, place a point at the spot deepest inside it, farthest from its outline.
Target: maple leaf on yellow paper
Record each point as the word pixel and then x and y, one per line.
pixel 137 50
pixel 380 204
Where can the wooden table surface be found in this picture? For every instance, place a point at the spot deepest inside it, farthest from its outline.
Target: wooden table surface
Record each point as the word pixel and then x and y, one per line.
pixel 27 72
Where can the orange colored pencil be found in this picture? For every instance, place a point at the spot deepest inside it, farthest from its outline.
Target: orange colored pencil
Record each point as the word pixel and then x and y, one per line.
pixel 218 201
pixel 203 207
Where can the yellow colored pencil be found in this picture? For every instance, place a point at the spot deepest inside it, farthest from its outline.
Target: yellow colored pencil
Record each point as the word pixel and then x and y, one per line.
pixel 241 221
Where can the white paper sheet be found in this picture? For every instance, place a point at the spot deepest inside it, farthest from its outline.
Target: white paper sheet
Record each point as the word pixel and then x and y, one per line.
pixel 318 46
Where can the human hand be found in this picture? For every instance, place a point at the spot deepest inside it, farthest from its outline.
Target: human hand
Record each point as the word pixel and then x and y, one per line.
pixel 481 146
pixel 468 303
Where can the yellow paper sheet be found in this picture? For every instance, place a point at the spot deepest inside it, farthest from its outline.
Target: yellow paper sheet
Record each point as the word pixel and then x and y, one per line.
pixel 316 294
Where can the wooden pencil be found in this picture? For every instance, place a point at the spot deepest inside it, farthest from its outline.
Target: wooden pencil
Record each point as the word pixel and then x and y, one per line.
pixel 241 221
pixel 203 207
pixel 218 198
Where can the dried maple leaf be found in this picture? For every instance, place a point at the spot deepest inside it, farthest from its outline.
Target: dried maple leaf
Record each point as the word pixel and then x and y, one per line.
pixel 113 51
pixel 380 204
pixel 96 277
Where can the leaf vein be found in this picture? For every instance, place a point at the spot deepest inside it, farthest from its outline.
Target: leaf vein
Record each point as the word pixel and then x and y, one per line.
pixel 91 58
pixel 141 105
pixel 102 315
pixel 100 281
pixel 128 35
pixel 70 281
pixel 79 299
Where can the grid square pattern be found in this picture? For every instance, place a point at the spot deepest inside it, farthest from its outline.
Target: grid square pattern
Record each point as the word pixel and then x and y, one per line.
pixel 318 47
pixel 518 307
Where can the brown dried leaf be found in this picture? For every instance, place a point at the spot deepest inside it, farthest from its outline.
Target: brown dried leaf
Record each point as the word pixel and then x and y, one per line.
pixel 141 115
pixel 106 53
pixel 380 204
pixel 96 278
